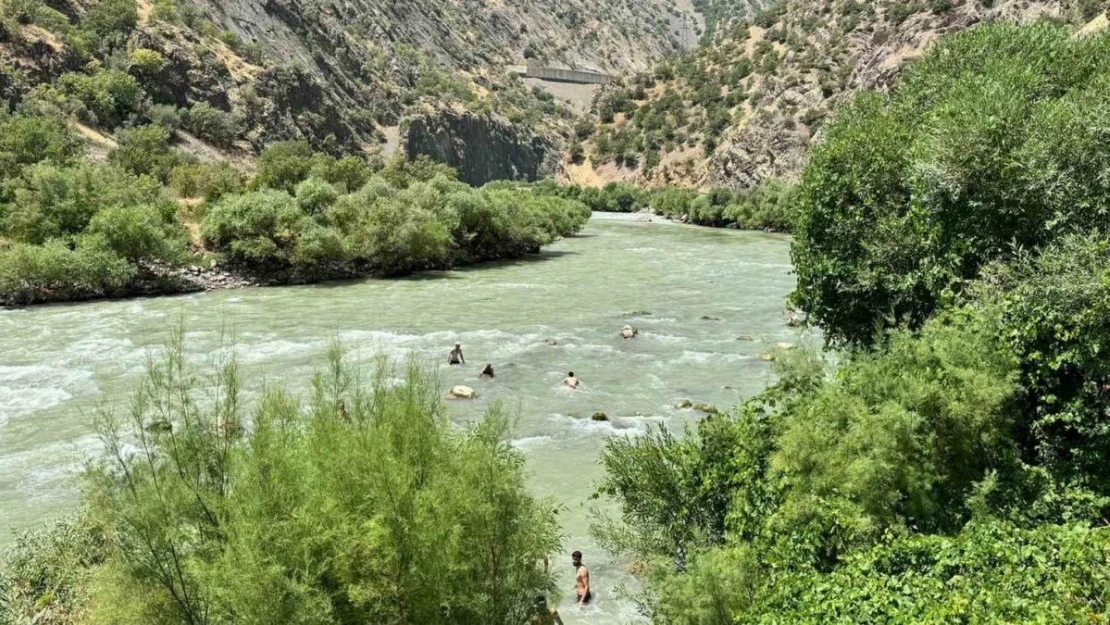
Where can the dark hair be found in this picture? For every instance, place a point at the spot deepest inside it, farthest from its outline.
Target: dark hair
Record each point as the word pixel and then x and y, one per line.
pixel 576 554
pixel 570 374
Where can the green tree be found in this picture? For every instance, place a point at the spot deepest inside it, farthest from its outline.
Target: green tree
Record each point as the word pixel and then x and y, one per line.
pixel 111 95
pixel 139 232
pixel 259 227
pixel 362 505
pixel 283 165
pixel 145 151
pixel 985 148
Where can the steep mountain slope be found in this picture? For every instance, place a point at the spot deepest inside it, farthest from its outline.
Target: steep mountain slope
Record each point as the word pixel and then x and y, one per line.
pixel 339 74
pixel 746 107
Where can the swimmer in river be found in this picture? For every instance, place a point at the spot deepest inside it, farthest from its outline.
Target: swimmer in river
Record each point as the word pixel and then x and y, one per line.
pixel 581 579
pixel 456 356
pixel 570 380
pixel 487 373
pixel 543 615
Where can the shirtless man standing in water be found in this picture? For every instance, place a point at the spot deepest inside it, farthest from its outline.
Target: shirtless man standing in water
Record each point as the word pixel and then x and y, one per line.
pixel 581 579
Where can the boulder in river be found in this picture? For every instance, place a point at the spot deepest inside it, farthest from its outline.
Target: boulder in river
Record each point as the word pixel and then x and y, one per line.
pixel 159 426
pixel 551 342
pixel 462 392
pixel 708 318
pixel 744 337
pixel 707 408
pixel 686 403
pixel 629 332
pixel 600 416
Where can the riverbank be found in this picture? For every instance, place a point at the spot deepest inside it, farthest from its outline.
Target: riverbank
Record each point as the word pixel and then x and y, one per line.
pixel 158 279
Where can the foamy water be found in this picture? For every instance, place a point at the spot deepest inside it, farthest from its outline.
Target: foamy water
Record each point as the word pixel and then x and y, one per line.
pixel 58 363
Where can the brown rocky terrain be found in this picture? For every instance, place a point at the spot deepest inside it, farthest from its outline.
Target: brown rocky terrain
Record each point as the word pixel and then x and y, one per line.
pixel 345 74
pixel 747 106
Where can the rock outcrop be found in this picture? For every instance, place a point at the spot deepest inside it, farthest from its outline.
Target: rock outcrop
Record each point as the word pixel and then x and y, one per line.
pixel 481 148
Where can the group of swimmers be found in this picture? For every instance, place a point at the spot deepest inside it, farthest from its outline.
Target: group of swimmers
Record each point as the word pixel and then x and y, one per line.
pixel 455 357
pixel 543 615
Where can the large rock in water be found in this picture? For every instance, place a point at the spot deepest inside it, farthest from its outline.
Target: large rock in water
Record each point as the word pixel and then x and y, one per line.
pixel 481 148
pixel 462 392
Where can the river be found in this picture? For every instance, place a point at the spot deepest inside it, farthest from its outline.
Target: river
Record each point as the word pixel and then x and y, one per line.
pixel 692 293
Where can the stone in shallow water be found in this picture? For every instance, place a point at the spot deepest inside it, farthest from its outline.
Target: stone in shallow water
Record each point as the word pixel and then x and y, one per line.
pixel 462 392
pixel 600 416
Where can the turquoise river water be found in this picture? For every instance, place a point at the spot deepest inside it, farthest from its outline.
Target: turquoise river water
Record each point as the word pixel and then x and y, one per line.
pixel 690 291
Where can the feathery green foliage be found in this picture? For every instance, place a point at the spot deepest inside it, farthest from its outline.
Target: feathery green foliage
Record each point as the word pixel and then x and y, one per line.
pixel 362 503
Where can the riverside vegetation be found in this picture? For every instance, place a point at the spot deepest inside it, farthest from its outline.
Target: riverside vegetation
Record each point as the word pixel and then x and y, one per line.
pixel 947 465
pixel 952 467
pixel 362 505
pixel 76 229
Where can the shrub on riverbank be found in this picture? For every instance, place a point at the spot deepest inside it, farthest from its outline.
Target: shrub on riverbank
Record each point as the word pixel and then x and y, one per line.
pixel 306 215
pixel 364 504
pixel 770 206
pixel 994 143
pixel 961 457
pixel 385 228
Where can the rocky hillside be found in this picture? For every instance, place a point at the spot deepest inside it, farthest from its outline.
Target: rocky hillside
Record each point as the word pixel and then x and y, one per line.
pixel 344 75
pixel 746 106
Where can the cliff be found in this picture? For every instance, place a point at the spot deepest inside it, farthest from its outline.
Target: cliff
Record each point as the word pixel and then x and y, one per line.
pixel 747 106
pixel 481 148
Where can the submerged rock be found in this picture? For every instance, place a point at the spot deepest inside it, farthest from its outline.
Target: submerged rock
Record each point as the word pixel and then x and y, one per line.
pixel 551 342
pixel 600 416
pixel 686 403
pixel 707 408
pixel 159 426
pixel 744 337
pixel 708 318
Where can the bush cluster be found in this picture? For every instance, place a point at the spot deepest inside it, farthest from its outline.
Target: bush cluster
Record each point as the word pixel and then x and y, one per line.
pixel 386 228
pixel 985 149
pixel 770 206
pixel 364 504
pixel 954 470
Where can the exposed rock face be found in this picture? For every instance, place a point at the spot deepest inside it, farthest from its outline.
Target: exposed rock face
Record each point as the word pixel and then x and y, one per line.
pixel 481 148
pixel 775 142
pixel 750 105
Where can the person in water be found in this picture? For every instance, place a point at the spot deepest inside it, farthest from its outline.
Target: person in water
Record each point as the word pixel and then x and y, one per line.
pixel 487 373
pixel 581 579
pixel 456 356
pixel 543 615
pixel 570 380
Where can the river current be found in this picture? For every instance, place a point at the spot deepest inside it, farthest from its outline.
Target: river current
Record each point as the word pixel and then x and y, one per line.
pixel 706 303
